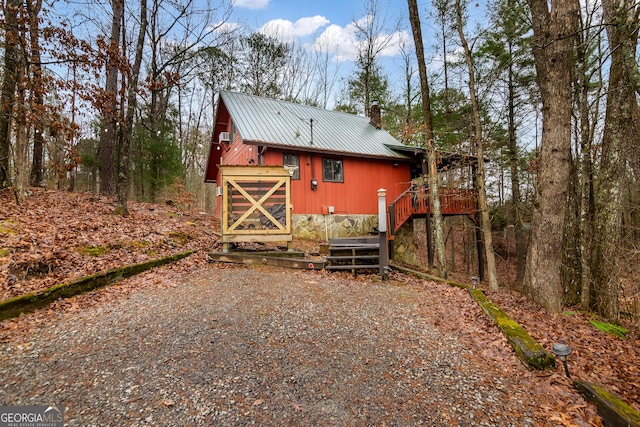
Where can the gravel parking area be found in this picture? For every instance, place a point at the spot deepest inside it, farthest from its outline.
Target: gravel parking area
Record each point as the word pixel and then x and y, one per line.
pixel 236 346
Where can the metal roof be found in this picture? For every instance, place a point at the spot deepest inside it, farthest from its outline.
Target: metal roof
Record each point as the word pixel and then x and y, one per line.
pixel 272 122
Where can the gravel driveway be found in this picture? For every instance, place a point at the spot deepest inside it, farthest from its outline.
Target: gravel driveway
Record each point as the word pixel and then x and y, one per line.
pixel 235 346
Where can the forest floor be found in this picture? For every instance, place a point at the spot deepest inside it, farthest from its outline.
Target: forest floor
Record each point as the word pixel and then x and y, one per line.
pixel 55 236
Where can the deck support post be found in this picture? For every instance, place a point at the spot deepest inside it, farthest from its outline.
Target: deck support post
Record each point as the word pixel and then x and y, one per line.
pixel 479 236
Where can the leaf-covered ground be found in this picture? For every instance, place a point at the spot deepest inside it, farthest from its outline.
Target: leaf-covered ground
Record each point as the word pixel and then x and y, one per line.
pixel 57 236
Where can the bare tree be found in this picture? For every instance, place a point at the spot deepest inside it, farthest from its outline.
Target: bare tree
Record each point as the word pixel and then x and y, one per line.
pixel 7 97
pixel 587 90
pixel 37 91
pixel 108 139
pixel 414 18
pixel 485 223
pixel 621 120
pixel 124 169
pixel 326 73
pixel 374 33
pixel 554 26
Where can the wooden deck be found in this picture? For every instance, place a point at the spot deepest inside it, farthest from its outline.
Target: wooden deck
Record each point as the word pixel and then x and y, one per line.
pixel 416 202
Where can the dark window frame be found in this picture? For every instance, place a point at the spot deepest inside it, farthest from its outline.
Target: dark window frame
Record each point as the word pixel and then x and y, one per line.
pixel 286 157
pixel 333 177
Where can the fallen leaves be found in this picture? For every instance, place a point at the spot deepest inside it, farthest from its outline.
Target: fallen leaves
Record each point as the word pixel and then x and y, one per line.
pixel 55 236
pixel 168 403
pixel 39 244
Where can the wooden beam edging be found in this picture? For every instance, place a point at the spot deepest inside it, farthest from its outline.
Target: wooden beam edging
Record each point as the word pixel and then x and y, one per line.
pixel 426 276
pixel 528 350
pixel 612 409
pixel 265 259
pixel 30 302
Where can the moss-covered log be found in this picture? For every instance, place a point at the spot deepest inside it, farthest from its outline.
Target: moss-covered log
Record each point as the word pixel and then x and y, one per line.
pixel 527 349
pixel 29 302
pixel 612 409
pixel 426 276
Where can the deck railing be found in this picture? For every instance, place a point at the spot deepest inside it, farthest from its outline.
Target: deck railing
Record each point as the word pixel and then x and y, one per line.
pixel 417 201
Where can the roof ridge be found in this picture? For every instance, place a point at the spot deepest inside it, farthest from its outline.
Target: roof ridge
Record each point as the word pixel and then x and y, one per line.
pixel 292 103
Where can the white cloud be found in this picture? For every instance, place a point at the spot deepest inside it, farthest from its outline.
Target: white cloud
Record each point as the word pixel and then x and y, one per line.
pixel 251 4
pixel 395 42
pixel 341 42
pixel 288 31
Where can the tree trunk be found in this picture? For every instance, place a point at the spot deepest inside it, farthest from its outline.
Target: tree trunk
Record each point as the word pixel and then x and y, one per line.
pixel 586 171
pixel 108 142
pixel 516 195
pixel 8 86
pixel 37 91
pixel 414 18
pixel 571 274
pixel 438 223
pixel 124 174
pixel 485 223
pixel 21 148
pixel 553 35
pixel 622 109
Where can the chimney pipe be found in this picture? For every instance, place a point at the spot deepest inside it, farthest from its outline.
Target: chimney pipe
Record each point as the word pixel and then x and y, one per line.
pixel 375 117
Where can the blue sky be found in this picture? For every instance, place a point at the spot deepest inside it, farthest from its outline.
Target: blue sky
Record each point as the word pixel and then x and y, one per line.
pixel 321 22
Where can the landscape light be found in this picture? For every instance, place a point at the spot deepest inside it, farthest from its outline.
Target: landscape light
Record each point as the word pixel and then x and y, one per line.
pixel 562 351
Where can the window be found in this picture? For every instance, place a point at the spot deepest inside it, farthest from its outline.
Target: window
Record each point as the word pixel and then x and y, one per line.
pixel 292 160
pixel 332 170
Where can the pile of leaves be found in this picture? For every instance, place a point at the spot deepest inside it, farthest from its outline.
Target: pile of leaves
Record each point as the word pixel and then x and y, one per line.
pixel 57 236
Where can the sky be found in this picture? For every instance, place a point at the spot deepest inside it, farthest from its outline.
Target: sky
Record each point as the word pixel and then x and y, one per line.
pixel 327 26
pixel 326 22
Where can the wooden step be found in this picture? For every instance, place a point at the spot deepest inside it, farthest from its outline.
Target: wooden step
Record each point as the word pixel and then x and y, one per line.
pixel 353 240
pixel 354 246
pixel 352 267
pixel 345 257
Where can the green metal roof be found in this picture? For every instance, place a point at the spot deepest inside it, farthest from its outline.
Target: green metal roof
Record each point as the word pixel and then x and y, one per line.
pixel 272 122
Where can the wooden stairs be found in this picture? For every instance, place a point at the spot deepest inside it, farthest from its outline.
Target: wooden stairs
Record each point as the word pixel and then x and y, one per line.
pixel 355 254
pixel 415 202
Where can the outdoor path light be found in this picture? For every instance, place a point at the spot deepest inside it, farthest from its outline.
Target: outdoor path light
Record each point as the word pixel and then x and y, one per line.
pixel 474 281
pixel 562 351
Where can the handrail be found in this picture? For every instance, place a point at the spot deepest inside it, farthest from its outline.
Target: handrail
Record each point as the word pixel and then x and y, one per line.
pixel 416 201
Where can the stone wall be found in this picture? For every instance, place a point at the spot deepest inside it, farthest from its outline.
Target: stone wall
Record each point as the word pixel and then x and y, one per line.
pixel 404 244
pixel 324 227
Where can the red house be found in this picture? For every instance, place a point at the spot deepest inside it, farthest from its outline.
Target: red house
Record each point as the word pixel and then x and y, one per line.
pixel 338 160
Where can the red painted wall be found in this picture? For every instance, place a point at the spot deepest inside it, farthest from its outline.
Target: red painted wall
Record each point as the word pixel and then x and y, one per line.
pixel 356 195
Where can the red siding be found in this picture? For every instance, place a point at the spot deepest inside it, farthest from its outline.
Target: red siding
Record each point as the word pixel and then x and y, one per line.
pixel 217 150
pixel 239 154
pixel 356 195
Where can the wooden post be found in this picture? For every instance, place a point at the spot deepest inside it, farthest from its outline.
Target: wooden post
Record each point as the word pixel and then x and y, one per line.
pixel 427 226
pixel 479 241
pixel 453 245
pixel 382 233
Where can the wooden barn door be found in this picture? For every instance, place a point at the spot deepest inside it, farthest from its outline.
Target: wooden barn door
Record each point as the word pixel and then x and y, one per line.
pixel 256 204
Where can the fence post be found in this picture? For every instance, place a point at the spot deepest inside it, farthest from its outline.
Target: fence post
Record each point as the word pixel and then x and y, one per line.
pixel 382 233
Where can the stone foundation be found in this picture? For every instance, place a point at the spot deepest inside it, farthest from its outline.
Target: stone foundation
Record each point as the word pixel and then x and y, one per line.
pixel 324 227
pixel 404 244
